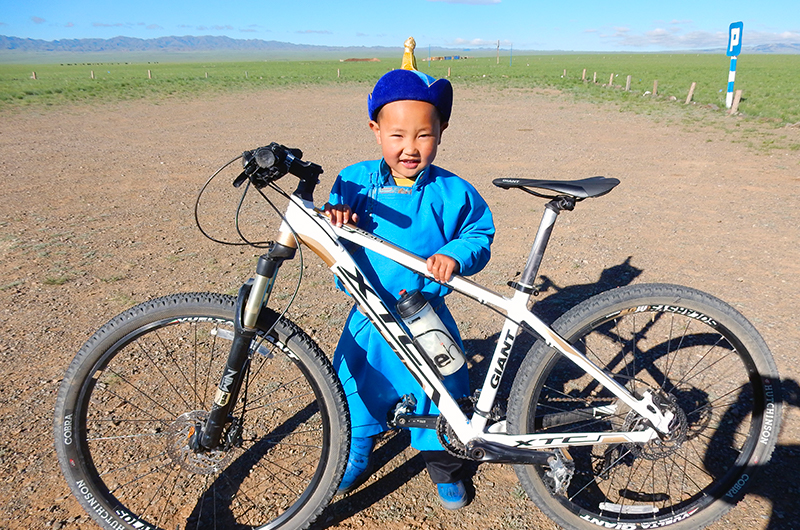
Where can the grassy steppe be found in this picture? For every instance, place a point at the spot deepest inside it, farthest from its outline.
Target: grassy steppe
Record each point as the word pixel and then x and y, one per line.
pixel 770 82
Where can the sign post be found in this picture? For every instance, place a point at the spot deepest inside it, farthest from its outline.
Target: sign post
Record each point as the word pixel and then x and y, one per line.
pixel 734 49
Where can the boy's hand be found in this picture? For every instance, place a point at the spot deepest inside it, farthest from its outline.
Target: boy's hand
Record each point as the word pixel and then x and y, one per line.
pixel 340 214
pixel 442 267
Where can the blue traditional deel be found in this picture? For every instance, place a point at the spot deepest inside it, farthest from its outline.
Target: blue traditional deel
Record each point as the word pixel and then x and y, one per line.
pixel 399 85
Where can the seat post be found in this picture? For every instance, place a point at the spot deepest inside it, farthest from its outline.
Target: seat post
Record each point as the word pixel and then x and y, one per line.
pixel 551 211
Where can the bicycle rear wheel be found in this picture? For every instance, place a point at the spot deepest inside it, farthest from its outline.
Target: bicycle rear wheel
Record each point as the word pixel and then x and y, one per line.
pixel 701 359
pixel 138 388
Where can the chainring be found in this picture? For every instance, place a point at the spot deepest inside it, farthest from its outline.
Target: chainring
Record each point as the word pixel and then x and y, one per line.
pixel 448 437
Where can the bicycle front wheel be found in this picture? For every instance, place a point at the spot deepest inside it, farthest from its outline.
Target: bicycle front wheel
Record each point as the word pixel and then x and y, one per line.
pixel 700 359
pixel 137 390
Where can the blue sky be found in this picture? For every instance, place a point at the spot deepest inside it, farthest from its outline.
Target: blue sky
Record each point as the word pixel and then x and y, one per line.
pixel 578 25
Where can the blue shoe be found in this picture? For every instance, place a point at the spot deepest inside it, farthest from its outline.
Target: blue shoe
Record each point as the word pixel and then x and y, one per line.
pixel 453 496
pixel 359 464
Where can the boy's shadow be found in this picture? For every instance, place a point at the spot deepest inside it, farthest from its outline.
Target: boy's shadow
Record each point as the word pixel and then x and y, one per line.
pixel 479 353
pixel 388 447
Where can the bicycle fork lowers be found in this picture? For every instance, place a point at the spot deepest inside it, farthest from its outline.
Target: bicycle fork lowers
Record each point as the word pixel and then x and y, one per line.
pixel 253 295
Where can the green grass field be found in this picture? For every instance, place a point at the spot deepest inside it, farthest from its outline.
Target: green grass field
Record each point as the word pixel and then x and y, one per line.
pixel 770 82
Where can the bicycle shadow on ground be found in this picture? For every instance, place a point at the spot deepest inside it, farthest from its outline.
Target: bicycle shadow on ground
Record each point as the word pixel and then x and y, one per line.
pixel 552 302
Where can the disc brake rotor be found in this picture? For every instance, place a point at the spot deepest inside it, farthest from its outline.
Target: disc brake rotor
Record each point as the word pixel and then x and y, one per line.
pixel 179 435
pixel 659 447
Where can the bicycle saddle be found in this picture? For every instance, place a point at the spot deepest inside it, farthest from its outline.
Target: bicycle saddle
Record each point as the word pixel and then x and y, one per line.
pixel 580 189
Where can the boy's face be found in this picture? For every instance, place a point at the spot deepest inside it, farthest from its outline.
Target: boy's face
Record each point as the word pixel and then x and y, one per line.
pixel 409 133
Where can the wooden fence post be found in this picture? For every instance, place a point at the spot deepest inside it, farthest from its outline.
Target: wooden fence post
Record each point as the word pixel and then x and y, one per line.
pixel 448 71
pixel 595 77
pixel 92 74
pixel 736 99
pixel 583 78
pixel 655 88
pixel 691 93
pixel 565 73
pixel 149 76
pixel 628 84
pixel 611 80
pixel 33 76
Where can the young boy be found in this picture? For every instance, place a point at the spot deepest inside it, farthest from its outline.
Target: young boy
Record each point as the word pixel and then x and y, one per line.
pixel 430 212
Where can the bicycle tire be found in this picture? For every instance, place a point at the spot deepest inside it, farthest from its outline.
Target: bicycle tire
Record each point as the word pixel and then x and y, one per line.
pixel 135 391
pixel 702 359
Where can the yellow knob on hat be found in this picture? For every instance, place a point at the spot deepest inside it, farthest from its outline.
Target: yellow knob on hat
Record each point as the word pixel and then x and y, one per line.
pixel 409 61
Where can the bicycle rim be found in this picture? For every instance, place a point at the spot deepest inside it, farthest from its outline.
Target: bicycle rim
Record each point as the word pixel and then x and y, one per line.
pixel 701 360
pixel 137 395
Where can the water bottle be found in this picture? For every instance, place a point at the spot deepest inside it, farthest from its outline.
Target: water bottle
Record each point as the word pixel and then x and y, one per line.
pixel 429 332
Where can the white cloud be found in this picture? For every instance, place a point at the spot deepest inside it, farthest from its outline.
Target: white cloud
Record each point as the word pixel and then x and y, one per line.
pixel 760 37
pixel 212 28
pixel 38 20
pixel 479 42
pixel 676 38
pixel 315 31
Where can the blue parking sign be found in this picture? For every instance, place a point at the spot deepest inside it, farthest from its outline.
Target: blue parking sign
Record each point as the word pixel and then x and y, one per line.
pixel 735 39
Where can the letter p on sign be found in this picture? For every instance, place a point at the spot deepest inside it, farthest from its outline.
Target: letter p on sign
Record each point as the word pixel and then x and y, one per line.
pixel 735 39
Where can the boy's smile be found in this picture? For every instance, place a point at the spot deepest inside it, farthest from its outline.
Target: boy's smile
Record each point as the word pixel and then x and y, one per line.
pixel 409 133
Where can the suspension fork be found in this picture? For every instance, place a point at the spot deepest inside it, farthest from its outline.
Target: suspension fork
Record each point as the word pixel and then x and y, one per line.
pixel 253 295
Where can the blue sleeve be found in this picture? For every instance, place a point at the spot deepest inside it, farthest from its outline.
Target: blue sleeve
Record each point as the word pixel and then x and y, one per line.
pixel 336 192
pixel 352 186
pixel 471 245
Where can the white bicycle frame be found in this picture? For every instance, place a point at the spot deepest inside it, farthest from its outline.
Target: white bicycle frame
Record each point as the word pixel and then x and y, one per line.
pixel 313 228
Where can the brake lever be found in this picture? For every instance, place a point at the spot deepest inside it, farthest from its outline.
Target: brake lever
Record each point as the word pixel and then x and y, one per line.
pixel 247 163
pixel 241 179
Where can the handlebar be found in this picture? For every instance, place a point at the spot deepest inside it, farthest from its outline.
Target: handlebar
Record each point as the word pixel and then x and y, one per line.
pixel 267 164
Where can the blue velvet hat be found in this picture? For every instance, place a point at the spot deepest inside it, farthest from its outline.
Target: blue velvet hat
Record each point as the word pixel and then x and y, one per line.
pixel 400 85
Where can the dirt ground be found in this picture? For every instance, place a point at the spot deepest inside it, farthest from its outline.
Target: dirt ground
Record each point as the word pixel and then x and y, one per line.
pixel 97 214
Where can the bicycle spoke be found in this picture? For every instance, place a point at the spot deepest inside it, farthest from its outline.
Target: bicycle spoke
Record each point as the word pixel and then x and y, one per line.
pixel 166 378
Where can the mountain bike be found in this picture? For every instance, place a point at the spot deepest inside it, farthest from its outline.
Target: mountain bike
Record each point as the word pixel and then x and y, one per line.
pixel 644 406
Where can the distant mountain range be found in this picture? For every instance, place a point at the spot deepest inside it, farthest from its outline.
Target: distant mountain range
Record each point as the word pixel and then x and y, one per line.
pixel 272 48
pixel 775 48
pixel 178 44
